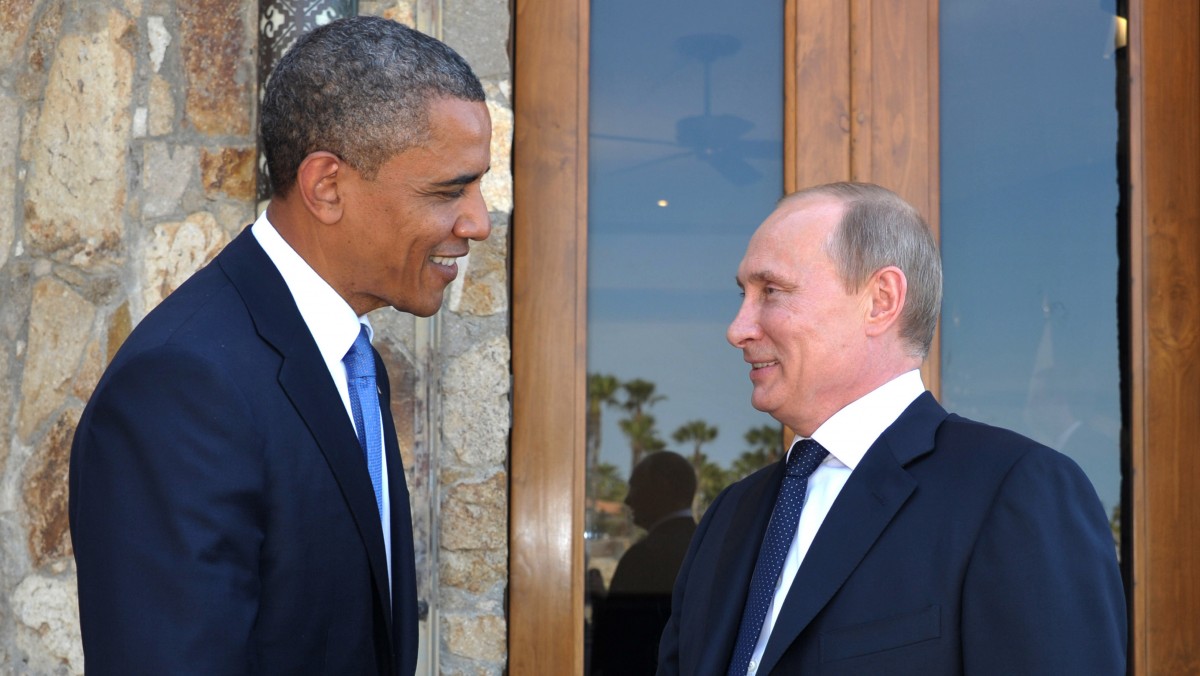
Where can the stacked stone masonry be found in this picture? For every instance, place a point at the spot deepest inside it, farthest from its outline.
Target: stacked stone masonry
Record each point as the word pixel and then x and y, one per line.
pixel 127 159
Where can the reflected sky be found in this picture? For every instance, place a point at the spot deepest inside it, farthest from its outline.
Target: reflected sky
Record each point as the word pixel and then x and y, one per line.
pixel 685 160
pixel 1029 224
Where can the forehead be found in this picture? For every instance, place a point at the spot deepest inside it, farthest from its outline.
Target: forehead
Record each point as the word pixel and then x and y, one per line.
pixel 792 237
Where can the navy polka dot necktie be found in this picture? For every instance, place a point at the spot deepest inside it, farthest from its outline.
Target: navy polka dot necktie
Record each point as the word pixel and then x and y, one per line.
pixel 806 455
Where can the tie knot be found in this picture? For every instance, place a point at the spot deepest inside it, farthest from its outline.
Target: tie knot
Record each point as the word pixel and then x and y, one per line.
pixel 360 360
pixel 806 455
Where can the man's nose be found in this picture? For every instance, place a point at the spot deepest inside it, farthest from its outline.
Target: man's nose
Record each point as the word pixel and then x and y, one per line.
pixel 474 222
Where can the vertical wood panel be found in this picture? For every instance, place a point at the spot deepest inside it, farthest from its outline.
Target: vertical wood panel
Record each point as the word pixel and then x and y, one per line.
pixel 1165 341
pixel 820 101
pixel 549 305
pixel 894 111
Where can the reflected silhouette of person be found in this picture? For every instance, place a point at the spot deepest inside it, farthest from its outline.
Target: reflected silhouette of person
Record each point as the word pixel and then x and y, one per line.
pixel 630 620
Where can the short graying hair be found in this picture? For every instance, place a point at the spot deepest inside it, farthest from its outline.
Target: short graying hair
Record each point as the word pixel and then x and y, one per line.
pixel 879 229
pixel 359 88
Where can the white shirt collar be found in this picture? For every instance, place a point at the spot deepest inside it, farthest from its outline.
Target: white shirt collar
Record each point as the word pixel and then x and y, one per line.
pixel 329 318
pixel 849 433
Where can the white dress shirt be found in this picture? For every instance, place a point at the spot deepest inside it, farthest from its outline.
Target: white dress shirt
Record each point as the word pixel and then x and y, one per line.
pixel 333 326
pixel 847 435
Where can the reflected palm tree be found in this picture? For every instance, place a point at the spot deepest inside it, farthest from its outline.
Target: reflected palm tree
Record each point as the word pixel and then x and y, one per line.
pixel 699 433
pixel 639 427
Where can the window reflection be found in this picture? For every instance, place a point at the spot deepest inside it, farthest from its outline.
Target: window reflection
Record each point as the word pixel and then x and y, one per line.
pixel 685 160
pixel 1029 225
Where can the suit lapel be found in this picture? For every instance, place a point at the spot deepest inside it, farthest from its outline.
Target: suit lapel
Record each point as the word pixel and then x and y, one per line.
pixel 306 382
pixel 404 577
pixel 876 490
pixel 745 533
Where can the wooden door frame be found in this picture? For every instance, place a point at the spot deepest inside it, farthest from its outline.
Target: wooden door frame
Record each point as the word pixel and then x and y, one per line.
pixel 872 82
pixel 1164 336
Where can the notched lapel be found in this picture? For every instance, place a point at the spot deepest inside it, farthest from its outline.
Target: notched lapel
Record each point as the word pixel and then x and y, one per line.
pixel 728 592
pixel 307 384
pixel 875 492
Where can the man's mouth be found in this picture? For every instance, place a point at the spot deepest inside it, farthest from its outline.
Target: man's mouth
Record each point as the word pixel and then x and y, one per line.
pixel 443 260
pixel 762 364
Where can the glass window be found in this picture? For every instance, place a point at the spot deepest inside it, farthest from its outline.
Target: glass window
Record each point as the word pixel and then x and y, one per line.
pixel 1029 132
pixel 685 160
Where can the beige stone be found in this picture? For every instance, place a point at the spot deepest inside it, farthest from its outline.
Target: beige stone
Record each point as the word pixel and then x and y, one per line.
pixel 475 515
pixel 162 107
pixel 60 322
pixel 120 324
pixel 75 194
pixel 10 132
pixel 402 376
pixel 480 637
pixel 175 251
pixel 497 184
pixel 47 617
pixel 166 174
pixel 90 370
pixel 229 172
pixel 475 409
pixel 404 12
pixel 216 45
pixel 475 571
pixel 45 492
pixel 15 18
pixel 482 288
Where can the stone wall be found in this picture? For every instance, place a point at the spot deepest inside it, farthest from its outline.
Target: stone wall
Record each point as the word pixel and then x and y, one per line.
pixel 127 158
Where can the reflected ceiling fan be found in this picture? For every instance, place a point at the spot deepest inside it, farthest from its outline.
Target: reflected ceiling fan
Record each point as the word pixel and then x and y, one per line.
pixel 713 139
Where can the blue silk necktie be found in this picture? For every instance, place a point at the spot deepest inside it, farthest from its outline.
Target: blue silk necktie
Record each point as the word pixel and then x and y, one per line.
pixel 801 463
pixel 364 403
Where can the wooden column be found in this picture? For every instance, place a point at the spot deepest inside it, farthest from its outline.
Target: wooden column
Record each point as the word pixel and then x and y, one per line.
pixel 862 103
pixel 1164 128
pixel 549 242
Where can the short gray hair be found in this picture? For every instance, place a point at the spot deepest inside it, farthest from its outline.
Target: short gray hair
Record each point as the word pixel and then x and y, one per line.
pixel 878 229
pixel 359 88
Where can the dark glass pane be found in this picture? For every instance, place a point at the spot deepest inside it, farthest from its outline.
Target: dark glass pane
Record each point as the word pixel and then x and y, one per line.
pixel 686 159
pixel 1029 224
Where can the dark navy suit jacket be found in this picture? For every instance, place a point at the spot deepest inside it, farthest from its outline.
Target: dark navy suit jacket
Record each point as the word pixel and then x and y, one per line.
pixel 221 512
pixel 954 548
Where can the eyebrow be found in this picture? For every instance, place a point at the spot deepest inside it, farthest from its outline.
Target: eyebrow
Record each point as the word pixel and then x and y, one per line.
pixel 464 179
pixel 760 276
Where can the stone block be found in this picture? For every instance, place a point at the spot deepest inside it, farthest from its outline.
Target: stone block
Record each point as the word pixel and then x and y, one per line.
pixel 75 194
pixel 475 515
pixel 175 251
pixel 474 571
pixel 45 492
pixel 15 19
pixel 479 31
pixel 497 184
pixel 166 174
pixel 162 107
pixel 229 172
pixel 475 409
pixel 482 287
pixel 217 41
pixel 10 132
pixel 46 611
pixel 60 322
pixel 480 637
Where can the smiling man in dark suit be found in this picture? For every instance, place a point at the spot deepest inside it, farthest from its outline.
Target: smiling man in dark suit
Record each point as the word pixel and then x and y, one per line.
pixel 238 504
pixel 895 538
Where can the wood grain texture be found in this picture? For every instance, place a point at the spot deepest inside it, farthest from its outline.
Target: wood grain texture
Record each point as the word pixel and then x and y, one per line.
pixel 549 306
pixel 1165 341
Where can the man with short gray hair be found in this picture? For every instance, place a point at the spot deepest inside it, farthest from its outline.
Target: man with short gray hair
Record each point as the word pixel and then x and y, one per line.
pixel 894 538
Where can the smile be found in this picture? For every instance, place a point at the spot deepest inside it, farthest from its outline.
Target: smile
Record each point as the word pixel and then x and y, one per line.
pixel 762 364
pixel 443 260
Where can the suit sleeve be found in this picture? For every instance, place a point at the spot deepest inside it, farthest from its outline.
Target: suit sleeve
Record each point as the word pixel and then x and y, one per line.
pixel 166 519
pixel 668 646
pixel 1043 592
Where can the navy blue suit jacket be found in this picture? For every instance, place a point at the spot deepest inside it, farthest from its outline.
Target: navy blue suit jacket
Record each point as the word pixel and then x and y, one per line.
pixel 221 512
pixel 954 548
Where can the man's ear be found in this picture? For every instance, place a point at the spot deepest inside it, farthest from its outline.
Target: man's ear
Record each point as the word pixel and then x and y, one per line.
pixel 317 179
pixel 887 292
